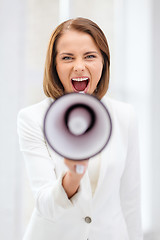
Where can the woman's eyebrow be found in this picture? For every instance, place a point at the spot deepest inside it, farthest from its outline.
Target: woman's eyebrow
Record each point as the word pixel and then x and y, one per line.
pixel 71 54
pixel 65 53
pixel 91 52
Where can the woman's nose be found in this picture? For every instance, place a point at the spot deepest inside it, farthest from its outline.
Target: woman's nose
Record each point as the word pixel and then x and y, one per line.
pixel 79 66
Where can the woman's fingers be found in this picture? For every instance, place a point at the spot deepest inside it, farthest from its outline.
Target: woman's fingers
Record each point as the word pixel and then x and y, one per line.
pixel 78 167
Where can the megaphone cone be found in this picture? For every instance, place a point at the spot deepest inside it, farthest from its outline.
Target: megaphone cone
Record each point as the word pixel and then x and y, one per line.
pixel 77 126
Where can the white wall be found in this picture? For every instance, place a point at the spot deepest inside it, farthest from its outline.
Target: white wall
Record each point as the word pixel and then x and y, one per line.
pixel 155 120
pixel 133 79
pixel 136 80
pixel 12 17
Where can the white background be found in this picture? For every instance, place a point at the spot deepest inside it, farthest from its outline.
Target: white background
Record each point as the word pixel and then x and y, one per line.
pixel 132 28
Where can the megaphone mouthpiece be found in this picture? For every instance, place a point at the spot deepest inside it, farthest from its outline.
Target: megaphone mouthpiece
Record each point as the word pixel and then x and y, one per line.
pixel 79 119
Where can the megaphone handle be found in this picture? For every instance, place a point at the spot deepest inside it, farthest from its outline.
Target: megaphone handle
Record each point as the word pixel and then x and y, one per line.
pixel 79 169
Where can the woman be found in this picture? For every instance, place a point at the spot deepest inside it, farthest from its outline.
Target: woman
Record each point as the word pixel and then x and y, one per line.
pixel 103 202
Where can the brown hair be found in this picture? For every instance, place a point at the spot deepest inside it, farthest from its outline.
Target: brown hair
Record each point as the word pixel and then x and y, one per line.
pixel 51 84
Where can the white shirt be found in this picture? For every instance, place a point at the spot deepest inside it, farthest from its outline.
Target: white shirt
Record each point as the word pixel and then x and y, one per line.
pixel 114 209
pixel 93 172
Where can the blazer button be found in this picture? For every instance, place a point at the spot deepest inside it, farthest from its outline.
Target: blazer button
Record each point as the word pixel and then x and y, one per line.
pixel 88 220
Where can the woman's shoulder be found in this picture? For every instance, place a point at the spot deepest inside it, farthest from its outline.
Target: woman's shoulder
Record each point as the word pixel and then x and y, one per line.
pixel 35 111
pixel 116 105
pixel 120 110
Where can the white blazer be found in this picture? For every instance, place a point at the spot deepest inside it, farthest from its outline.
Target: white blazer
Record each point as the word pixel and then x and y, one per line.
pixel 113 212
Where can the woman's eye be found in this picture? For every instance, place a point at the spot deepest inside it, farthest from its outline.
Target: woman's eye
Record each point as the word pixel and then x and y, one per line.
pixel 66 58
pixel 90 56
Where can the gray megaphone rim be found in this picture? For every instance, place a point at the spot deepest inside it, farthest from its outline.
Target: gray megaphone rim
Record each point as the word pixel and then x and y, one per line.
pixel 63 155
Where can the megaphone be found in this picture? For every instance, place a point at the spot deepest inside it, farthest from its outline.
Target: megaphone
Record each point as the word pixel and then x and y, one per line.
pixel 77 126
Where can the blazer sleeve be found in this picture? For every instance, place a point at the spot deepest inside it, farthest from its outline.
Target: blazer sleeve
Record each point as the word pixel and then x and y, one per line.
pixel 130 183
pixel 50 198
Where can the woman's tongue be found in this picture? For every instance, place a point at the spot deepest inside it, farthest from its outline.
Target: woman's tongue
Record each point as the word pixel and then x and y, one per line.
pixel 80 85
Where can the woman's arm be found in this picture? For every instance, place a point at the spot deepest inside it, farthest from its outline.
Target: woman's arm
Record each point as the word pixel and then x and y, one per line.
pixel 130 183
pixel 49 192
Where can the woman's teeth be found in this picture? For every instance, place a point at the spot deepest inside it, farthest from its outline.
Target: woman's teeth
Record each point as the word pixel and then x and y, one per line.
pixel 79 79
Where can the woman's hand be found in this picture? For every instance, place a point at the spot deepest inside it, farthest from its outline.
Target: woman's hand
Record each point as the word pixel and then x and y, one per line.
pixel 76 170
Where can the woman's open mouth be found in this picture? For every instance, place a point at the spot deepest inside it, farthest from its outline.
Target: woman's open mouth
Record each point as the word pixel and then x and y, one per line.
pixel 80 84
